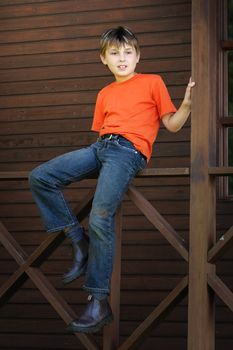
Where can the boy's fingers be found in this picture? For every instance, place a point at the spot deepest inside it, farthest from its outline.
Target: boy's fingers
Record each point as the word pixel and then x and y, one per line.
pixel 191 83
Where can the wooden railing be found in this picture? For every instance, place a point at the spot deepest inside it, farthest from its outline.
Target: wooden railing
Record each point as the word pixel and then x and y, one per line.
pixel 29 265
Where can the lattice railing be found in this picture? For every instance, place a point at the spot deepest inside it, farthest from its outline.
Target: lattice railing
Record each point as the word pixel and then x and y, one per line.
pixel 29 266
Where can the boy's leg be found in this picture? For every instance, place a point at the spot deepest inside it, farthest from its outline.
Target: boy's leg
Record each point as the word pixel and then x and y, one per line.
pixel 119 167
pixel 47 182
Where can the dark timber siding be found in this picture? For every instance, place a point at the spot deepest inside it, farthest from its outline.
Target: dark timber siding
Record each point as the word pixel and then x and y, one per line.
pixel 50 76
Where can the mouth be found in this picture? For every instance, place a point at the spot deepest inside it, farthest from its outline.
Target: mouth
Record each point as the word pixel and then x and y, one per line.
pixel 122 67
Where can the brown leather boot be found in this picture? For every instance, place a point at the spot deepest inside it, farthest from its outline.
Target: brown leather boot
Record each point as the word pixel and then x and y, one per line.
pixel 97 314
pixel 80 257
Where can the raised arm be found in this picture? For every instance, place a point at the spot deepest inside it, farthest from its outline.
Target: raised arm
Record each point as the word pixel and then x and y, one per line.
pixel 174 121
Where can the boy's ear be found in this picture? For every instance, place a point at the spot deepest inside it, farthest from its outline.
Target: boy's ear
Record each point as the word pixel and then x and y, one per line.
pixel 103 60
pixel 138 57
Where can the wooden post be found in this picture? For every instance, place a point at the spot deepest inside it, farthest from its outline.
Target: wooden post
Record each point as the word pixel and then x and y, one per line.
pixel 201 320
pixel 111 332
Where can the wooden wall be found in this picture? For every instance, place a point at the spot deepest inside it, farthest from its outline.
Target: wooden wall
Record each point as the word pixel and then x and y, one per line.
pixel 50 76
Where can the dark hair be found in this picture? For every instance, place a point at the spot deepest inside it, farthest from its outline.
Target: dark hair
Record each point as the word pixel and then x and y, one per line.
pixel 117 37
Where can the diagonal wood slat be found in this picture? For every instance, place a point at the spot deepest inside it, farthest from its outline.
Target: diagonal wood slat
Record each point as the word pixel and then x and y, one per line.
pixel 42 283
pixel 224 293
pixel 13 283
pixel 45 249
pixel 83 208
pixel 158 221
pixel 221 246
pixel 58 303
pixel 158 314
pixel 12 245
pixel 28 268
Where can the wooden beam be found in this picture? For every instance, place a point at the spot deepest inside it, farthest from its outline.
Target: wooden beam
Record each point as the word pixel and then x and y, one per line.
pixel 149 172
pixel 223 292
pixel 15 281
pixel 51 242
pixel 227 45
pixel 14 175
pixel 12 284
pixel 226 121
pixel 221 171
pixel 84 207
pixel 158 221
pixel 58 303
pixel 156 316
pixel 221 246
pixel 11 245
pixel 41 282
pixel 201 320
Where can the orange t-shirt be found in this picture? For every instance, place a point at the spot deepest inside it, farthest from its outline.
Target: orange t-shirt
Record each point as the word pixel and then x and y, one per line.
pixel 133 109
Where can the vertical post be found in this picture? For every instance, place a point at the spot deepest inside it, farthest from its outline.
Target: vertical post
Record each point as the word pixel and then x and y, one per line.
pixel 201 320
pixel 111 332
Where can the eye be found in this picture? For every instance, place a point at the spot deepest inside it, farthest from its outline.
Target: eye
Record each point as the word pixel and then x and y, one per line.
pixel 112 51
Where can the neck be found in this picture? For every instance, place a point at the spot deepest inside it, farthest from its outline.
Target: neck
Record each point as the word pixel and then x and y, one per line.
pixel 122 79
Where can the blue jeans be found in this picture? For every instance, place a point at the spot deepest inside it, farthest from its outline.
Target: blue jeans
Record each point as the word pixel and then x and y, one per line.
pixel 117 162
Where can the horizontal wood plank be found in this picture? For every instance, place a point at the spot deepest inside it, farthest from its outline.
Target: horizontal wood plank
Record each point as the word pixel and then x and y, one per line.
pixel 63 7
pixel 220 171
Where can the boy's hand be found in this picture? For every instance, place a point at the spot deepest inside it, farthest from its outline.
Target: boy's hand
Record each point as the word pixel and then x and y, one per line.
pixel 174 122
pixel 187 97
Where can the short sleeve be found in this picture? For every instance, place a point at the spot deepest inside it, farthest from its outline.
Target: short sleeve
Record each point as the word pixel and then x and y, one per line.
pixel 163 100
pixel 98 118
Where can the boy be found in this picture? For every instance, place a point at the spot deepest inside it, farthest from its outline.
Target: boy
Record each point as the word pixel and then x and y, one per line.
pixel 127 117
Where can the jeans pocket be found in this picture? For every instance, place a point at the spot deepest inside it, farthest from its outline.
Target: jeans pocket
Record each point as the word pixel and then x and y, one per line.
pixel 125 144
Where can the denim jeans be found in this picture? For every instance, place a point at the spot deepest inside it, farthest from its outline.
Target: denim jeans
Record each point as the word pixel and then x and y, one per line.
pixel 116 161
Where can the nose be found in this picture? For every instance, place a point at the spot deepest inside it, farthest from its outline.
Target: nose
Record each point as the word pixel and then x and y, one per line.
pixel 122 56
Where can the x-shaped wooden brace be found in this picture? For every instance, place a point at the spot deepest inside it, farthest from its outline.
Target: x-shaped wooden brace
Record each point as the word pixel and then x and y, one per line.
pixel 28 268
pixel 178 293
pixel 214 281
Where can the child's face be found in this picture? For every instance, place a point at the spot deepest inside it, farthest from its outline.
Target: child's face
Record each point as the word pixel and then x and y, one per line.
pixel 121 61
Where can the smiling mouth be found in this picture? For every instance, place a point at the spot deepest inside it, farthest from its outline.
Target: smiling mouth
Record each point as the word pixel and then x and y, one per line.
pixel 122 66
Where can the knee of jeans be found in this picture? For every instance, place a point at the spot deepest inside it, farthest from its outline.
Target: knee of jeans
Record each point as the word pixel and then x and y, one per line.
pixel 34 177
pixel 99 218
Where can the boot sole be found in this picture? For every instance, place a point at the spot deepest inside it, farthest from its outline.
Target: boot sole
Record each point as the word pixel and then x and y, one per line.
pixel 70 279
pixel 93 329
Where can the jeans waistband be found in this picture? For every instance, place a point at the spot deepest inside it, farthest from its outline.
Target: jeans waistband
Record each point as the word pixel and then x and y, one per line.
pixel 117 137
pixel 112 137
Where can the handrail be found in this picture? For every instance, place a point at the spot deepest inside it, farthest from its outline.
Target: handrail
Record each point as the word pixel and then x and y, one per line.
pixel 221 170
pixel 148 172
pixel 29 266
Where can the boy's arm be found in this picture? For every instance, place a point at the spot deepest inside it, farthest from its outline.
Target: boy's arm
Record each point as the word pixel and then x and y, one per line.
pixel 174 121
